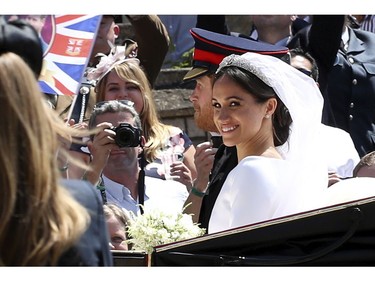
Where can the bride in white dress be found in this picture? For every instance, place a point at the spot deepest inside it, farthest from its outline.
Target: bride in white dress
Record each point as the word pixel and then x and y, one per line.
pixel 272 113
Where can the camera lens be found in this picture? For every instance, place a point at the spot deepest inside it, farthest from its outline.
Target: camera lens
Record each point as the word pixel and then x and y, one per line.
pixel 124 137
pixel 127 135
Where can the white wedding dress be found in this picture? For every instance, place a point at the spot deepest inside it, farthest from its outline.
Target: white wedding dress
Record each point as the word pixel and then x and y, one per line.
pixel 258 189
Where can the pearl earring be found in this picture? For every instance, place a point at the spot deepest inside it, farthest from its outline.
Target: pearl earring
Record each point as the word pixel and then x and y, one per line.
pixel 267 116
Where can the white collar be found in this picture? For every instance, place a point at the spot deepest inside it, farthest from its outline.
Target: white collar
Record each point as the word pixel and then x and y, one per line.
pixel 345 36
pixel 116 189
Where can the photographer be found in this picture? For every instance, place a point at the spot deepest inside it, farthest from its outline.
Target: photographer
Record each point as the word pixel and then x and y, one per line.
pixel 115 165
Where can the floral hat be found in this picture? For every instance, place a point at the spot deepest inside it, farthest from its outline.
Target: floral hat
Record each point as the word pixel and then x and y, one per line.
pixel 117 55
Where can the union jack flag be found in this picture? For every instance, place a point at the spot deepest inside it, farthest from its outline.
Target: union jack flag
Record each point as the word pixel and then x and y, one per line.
pixel 65 60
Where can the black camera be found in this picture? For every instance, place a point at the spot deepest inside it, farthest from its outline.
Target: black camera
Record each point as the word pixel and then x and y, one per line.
pixel 127 135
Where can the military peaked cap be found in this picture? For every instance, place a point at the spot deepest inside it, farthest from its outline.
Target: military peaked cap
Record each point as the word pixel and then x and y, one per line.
pixel 210 48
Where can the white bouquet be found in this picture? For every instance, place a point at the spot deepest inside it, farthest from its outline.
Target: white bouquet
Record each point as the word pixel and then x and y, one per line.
pixel 156 228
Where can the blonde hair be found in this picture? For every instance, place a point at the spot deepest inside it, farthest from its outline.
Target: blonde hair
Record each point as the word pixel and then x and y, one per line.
pixel 155 131
pixel 122 216
pixel 111 209
pixel 39 219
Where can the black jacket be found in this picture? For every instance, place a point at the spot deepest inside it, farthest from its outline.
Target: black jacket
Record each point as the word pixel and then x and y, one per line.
pixel 225 161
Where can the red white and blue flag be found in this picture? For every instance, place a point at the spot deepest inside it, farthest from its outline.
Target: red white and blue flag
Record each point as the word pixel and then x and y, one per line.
pixel 70 43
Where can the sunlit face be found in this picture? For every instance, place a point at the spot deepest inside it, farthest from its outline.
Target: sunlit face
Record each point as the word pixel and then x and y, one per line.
pixel 118 89
pixel 237 115
pixel 201 98
pixel 125 157
pixel 108 31
pixel 117 233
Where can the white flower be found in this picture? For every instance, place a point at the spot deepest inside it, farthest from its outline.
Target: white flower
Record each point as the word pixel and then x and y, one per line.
pixel 156 228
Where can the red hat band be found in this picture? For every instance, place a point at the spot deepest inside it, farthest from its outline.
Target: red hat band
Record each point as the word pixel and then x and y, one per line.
pixel 208 57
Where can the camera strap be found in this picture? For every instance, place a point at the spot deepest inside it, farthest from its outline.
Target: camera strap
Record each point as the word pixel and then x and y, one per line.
pixel 101 188
pixel 141 182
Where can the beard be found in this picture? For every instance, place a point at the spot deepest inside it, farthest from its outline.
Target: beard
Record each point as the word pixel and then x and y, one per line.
pixel 127 160
pixel 204 119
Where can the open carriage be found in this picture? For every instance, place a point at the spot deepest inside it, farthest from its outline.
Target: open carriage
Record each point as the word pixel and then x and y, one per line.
pixel 339 235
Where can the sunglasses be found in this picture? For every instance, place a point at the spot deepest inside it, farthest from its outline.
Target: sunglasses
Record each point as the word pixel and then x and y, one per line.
pixel 102 103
